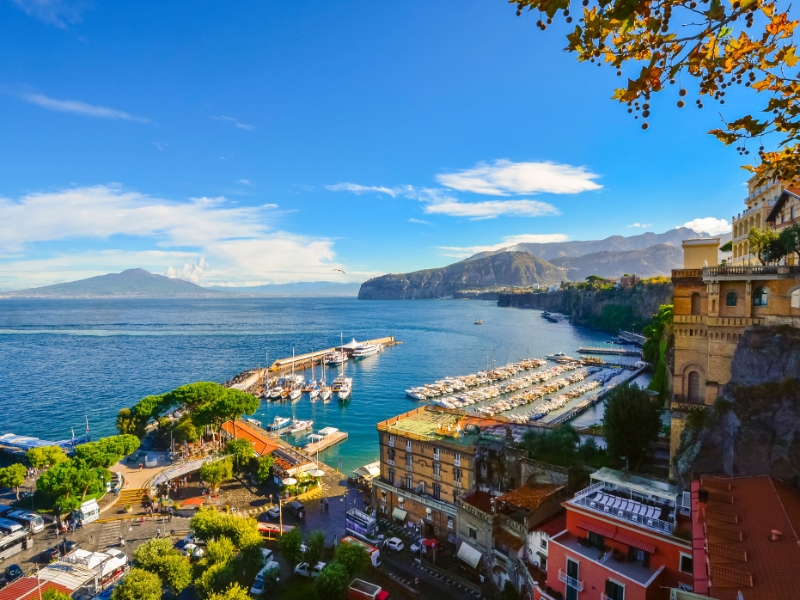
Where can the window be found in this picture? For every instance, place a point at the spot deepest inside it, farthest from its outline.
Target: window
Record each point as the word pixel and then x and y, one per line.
pixel 392 477
pixel 457 475
pixel 795 299
pixel 730 299
pixel 760 296
pixel 572 572
pixel 614 590
pixel 409 482
pixel 421 487
pixel 437 491
pixel 543 543
pixel 695 303
pixel 449 522
pixel 435 454
pixel 640 557
pixel 694 386
pixel 473 533
pixel 383 495
pixel 596 540
pixel 687 564
pixel 457 460
pixel 391 453
pixel 409 460
pixel 408 445
pixel 391 441
pixel 437 469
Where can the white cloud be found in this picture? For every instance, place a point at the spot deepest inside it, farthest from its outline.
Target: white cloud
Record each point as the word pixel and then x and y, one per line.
pixel 356 188
pixel 80 108
pixel 509 242
pixel 420 221
pixel 490 209
pixel 235 123
pixel 245 182
pixel 709 225
pixel 504 178
pixel 214 241
pixel 640 225
pixel 60 13
pixel 161 145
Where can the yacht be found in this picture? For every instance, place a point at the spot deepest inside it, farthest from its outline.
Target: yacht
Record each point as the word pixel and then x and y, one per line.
pixel 314 393
pixel 324 390
pixel 335 358
pixel 299 426
pixel 364 350
pixel 279 423
pixel 295 393
pixel 312 385
pixel 555 356
pixel 345 389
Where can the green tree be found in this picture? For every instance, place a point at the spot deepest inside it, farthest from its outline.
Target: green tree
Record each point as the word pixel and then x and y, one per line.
pixel 185 430
pixel 727 246
pixel 107 451
pixel 315 546
pixel 789 240
pixel 631 423
pixel 290 543
pixel 215 472
pixel 219 552
pixel 214 579
pixel 54 594
pixel 241 451
pixel 760 241
pixel 13 476
pixel 70 479
pixel 332 582
pixel 197 395
pixel 510 592
pixel 234 592
pixel 265 464
pixel 138 584
pixel 157 556
pixel 128 422
pixel 353 557
pixel 45 456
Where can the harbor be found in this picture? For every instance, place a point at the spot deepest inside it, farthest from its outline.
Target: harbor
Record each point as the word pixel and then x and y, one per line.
pixel 612 351
pixel 324 439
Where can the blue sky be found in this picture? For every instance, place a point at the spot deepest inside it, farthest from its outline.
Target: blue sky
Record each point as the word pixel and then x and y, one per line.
pixel 276 142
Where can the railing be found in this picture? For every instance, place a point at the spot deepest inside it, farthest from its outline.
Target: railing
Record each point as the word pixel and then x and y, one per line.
pixel 445 507
pixel 751 270
pixel 592 488
pixel 570 581
pixel 687 273
pixel 633 517
pixel 689 319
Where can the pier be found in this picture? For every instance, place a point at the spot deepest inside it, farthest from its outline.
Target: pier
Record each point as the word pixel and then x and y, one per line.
pixel 323 440
pixel 589 402
pixel 614 351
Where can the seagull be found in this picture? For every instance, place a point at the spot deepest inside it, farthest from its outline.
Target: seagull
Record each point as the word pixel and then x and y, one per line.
pixel 340 271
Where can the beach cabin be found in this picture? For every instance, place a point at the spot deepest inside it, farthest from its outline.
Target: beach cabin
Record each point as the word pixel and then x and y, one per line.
pixel 88 512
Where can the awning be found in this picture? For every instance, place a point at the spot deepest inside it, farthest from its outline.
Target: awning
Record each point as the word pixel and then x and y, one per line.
pixel 597 528
pixel 635 543
pixel 430 542
pixel 469 555
pixel 399 514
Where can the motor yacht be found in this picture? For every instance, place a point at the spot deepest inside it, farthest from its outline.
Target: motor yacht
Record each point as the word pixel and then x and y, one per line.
pixel 335 358
pixel 364 350
pixel 279 423
pixel 345 389
pixel 299 426
pixel 295 393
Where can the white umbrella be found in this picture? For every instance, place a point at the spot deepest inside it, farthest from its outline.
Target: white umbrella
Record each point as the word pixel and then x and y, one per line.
pixel 289 481
pixel 317 473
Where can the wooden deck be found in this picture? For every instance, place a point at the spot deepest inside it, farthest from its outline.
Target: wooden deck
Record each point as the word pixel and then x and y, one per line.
pixel 326 442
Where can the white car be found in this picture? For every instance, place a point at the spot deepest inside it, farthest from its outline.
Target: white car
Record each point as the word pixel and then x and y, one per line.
pixel 415 546
pixel 266 554
pixel 395 544
pixel 192 538
pixel 304 569
pixel 258 585
pixel 193 551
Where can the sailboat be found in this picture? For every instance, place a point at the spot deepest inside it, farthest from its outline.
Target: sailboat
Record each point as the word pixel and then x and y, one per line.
pixel 294 391
pixel 313 393
pixel 343 385
pixel 324 389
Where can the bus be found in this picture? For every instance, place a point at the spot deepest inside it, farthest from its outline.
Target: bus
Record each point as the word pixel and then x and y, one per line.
pixel 12 544
pixel 7 527
pixel 360 524
pixel 273 531
pixel 31 522
pixel 374 553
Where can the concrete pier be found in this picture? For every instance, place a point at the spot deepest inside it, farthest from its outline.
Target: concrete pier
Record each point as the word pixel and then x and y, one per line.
pixel 614 351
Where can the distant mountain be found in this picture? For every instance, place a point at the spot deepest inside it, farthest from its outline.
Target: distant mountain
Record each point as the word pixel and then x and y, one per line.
pixel 306 288
pixel 501 269
pixel 647 262
pixel 131 283
pixel 615 243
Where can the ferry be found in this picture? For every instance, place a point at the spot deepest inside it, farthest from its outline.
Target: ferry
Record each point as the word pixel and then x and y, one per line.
pixel 364 350
pixel 279 423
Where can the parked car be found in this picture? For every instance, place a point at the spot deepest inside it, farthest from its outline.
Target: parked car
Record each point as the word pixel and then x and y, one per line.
pixel 304 569
pixel 395 544
pixel 266 554
pixel 192 538
pixel 274 512
pixel 416 545
pixel 13 572
pixel 259 584
pixel 193 551
pixel 295 508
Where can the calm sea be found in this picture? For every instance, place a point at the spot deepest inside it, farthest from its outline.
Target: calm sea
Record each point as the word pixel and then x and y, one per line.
pixel 62 361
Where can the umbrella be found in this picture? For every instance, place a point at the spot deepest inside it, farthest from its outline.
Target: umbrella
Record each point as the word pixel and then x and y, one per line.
pixel 289 481
pixel 317 473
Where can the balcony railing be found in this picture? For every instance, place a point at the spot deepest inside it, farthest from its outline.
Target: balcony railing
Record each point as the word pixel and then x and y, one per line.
pixel 751 271
pixel 425 499
pixel 390 462
pixel 627 515
pixel 570 581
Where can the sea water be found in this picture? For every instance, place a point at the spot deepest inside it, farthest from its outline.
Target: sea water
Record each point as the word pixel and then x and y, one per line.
pixel 65 361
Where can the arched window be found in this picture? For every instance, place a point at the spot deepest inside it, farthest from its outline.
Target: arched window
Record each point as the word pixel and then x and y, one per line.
pixel 695 303
pixel 694 386
pixel 760 296
pixel 730 299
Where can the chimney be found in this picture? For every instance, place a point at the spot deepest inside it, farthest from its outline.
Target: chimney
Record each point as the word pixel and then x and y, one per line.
pixel 775 536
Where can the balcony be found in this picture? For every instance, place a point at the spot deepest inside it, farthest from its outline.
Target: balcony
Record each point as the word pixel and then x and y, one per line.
pixel 647 516
pixel 390 462
pixel 681 402
pixel 751 272
pixel 425 499
pixel 570 581
pixel 410 467
pixel 633 571
pixel 436 477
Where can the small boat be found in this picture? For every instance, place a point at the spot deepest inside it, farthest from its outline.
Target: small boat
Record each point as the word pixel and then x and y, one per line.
pixel 314 393
pixel 251 421
pixel 334 358
pixel 295 393
pixel 299 426
pixel 479 321
pixel 279 423
pixel 324 390
pixel 364 350
pixel 555 356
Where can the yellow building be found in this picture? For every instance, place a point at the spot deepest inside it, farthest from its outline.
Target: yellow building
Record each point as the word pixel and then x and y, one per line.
pixel 758 204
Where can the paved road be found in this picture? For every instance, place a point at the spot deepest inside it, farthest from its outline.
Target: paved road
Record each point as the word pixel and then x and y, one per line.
pixel 431 585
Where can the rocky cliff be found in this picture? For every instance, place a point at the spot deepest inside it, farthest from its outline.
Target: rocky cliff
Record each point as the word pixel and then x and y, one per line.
pixel 754 428
pixel 644 262
pixel 506 269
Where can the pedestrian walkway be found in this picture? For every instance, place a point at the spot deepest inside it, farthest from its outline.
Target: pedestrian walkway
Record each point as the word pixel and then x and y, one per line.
pixel 109 535
pixel 134 497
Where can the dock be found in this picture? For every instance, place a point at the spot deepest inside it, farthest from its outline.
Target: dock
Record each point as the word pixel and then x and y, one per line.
pixel 326 438
pixel 614 351
pixel 589 402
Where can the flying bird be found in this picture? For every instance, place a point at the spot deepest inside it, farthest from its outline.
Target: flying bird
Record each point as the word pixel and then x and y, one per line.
pixel 340 271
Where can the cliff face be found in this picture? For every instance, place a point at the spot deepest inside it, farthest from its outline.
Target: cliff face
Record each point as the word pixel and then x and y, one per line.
pixel 645 262
pixel 504 269
pixel 756 429
pixel 607 310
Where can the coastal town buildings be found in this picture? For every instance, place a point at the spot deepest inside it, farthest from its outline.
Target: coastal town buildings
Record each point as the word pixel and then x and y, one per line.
pixel 627 537
pixel 785 213
pixel 759 203
pixel 745 538
pixel 713 305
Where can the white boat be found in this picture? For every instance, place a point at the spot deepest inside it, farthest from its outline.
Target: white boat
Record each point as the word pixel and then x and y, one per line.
pixel 279 423
pixel 295 393
pixel 275 393
pixel 366 349
pixel 345 389
pixel 298 426
pixel 555 356
pixel 314 393
pixel 324 390
pixel 335 358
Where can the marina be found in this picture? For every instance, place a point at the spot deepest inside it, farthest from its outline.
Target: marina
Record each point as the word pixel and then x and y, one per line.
pixel 614 351
pixel 324 439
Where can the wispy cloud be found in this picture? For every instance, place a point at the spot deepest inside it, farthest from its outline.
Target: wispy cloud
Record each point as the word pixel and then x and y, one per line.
pixel 508 242
pixel 505 178
pixel 245 182
pixel 490 209
pixel 420 221
pixel 709 225
pixel 80 108
pixel 60 13
pixel 640 225
pixel 161 145
pixel 235 123
pixel 355 188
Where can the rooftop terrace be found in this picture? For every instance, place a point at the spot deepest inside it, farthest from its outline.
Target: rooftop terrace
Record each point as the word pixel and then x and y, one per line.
pixel 431 424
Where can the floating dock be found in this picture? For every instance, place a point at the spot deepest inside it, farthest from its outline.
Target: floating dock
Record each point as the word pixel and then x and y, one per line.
pixel 326 438
pixel 614 351
pixel 589 402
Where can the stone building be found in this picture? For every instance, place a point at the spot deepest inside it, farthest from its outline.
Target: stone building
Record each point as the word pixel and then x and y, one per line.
pixel 759 203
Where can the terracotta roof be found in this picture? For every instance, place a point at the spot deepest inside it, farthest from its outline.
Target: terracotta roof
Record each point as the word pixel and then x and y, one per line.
pixel 735 526
pixel 262 444
pixel 554 525
pixel 480 500
pixel 530 496
pixel 22 589
pixel 507 538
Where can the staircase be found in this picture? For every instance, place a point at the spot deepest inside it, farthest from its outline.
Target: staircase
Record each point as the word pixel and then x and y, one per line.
pixel 133 497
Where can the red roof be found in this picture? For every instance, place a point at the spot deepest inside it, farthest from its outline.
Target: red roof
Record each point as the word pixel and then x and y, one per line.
pixel 553 525
pixel 262 444
pixel 23 589
pixel 635 542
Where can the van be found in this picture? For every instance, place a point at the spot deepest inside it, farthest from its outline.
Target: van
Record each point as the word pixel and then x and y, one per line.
pixel 259 584
pixel 31 522
pixel 88 512
pixel 7 527
pixel 295 508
